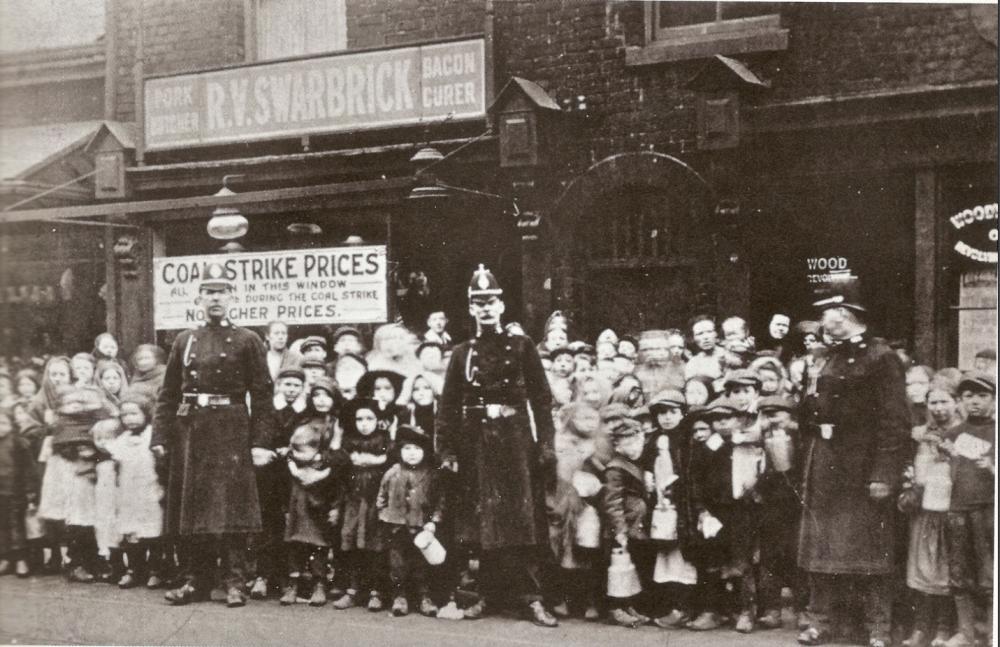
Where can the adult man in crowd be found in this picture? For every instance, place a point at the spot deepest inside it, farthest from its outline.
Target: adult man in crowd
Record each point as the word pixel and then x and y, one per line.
pixel 279 355
pixel 859 428
pixel 484 431
pixel 708 356
pixel 203 426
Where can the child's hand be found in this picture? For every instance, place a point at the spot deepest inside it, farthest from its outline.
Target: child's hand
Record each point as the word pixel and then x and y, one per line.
pixel 333 517
pixel 985 463
pixel 947 446
pixel 622 540
pixel 282 452
pixel 430 527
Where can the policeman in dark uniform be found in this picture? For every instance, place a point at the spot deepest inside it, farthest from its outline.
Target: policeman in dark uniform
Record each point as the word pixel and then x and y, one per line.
pixel 205 425
pixel 494 429
pixel 857 426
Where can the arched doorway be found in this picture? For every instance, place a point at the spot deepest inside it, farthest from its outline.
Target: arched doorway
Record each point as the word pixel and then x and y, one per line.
pixel 636 245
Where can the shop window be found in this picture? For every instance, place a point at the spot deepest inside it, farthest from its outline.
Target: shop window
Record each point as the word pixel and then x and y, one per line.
pixel 283 28
pixel 977 314
pixel 686 30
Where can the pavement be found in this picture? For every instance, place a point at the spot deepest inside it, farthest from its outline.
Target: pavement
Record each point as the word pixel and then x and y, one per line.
pixel 51 611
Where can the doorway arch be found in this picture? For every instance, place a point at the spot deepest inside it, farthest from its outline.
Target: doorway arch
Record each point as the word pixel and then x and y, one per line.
pixel 636 246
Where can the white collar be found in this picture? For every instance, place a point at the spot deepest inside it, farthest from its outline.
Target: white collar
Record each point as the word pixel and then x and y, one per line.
pixel 298 406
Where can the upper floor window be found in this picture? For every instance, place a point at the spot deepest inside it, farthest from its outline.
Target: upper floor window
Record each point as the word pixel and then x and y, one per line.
pixel 285 28
pixel 685 30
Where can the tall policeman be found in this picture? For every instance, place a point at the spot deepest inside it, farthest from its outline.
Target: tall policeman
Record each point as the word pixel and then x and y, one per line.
pixel 205 425
pixel 494 389
pixel 859 426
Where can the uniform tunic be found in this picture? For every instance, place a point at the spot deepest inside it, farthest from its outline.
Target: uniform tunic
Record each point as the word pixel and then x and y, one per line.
pixel 861 391
pixel 211 487
pixel 499 500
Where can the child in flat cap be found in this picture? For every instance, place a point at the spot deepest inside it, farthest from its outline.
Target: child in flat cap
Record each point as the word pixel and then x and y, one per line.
pixel 627 504
pixel 972 446
pixel 288 410
pixel 726 505
pixel 780 512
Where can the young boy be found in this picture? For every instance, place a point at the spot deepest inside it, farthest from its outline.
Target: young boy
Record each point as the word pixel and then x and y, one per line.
pixel 288 411
pixel 737 340
pixel 626 507
pixel 314 348
pixel 725 503
pixel 436 323
pixel 972 446
pixel 780 514
pixel 409 501
pixel 312 368
pixel 559 374
pixel 743 388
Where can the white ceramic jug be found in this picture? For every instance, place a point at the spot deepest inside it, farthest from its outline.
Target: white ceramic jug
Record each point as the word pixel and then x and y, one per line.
pixel 430 548
pixel 623 579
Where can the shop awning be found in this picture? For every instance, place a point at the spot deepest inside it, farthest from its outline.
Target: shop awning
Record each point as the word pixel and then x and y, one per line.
pixel 26 151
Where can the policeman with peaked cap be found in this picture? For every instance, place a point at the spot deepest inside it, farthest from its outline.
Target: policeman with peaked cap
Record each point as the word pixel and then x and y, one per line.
pixel 857 428
pixel 205 425
pixel 494 429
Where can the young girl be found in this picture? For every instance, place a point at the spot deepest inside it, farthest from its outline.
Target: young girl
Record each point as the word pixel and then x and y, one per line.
pixel 324 404
pixel 409 501
pixel 110 377
pixel 139 494
pixel 366 443
pixel 18 492
pixel 104 432
pixel 698 391
pixel 384 387
pixel 67 495
pixel 420 398
pixel 591 390
pixel 316 477
pixel 57 373
pixel 666 457
pixel 26 384
pixel 927 558
pixel 84 367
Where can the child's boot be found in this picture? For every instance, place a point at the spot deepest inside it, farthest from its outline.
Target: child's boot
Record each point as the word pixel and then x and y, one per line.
pixel 744 624
pixel 259 589
pixel 318 597
pixel 965 611
pixel 623 618
pixel 770 620
pixel 346 601
pixel 673 620
pixel 427 607
pixel 400 607
pixel 375 602
pixel 21 568
pixel 128 580
pixel 290 592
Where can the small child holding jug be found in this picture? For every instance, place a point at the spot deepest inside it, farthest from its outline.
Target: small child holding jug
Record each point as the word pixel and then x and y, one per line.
pixel 410 506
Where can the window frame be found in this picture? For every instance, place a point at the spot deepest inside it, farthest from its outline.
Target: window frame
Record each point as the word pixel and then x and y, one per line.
pixel 702 40
pixel 251 41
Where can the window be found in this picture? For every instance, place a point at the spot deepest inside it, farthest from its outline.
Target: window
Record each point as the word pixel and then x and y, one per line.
pixel 686 30
pixel 283 28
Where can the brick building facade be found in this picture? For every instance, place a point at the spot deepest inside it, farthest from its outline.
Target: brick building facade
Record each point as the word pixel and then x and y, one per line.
pixel 680 158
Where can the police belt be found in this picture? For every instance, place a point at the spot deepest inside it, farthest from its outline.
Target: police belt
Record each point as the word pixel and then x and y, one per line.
pixel 212 399
pixel 491 411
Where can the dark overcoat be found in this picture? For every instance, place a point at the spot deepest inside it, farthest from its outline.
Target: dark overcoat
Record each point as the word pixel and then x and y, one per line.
pixel 625 499
pixel 211 487
pixel 861 391
pixel 498 499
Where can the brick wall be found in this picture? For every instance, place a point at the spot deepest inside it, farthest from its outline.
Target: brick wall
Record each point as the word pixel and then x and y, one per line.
pixel 377 23
pixel 574 47
pixel 177 35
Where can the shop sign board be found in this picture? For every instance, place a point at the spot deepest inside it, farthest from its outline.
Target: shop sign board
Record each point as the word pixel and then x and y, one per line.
pixel 828 269
pixel 336 93
pixel 303 286
pixel 976 233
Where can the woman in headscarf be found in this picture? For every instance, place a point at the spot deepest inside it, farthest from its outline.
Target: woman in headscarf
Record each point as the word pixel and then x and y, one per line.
pixel 110 377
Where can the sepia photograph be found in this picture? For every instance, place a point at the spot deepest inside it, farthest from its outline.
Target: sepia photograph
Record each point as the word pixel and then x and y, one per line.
pixel 500 323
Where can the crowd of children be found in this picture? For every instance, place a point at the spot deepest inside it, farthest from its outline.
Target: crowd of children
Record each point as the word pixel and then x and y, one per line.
pixel 677 496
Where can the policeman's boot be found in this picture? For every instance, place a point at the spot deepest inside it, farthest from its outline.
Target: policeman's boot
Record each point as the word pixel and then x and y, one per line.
pixel 540 616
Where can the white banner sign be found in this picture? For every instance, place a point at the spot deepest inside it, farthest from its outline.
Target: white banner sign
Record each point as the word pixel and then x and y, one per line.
pixel 301 286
